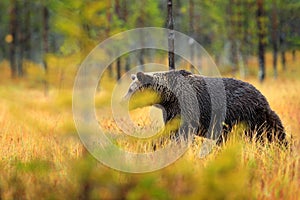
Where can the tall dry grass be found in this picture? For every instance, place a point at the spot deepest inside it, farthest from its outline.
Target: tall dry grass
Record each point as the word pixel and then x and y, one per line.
pixel 43 158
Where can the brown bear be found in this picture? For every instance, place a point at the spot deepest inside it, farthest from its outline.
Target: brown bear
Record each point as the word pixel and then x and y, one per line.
pixel 209 106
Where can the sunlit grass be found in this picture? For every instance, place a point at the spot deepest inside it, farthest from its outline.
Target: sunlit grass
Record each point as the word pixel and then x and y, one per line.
pixel 43 158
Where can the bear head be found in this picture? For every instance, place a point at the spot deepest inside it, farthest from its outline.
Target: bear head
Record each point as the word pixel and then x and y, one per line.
pixel 159 86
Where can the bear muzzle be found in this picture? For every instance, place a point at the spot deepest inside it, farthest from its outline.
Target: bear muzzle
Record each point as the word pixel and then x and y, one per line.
pixel 125 98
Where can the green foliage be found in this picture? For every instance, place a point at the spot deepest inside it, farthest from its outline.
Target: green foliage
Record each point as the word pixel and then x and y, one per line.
pixel 144 14
pixel 148 188
pixel 225 177
pixel 83 23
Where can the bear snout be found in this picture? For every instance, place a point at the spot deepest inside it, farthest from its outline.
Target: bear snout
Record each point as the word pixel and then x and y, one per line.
pixel 125 98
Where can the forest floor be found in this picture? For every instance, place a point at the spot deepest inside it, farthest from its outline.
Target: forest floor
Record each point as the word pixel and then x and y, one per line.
pixel 42 156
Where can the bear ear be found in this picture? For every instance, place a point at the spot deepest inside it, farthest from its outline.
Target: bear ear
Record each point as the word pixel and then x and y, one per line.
pixel 133 77
pixel 144 78
pixel 184 72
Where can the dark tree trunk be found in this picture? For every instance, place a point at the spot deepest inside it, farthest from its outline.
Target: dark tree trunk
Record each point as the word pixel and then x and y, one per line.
pixel 13 33
pixel 261 37
pixel 27 39
pixel 45 44
pixel 118 9
pixel 240 45
pixel 108 18
pixel 125 11
pixel 140 23
pixel 282 50
pixel 119 14
pixel 283 59
pixel 45 35
pixel 142 51
pixel 127 64
pixel 191 27
pixel 119 68
pixel 294 55
pixel 19 38
pixel 141 59
pixel 107 32
pixel 171 36
pixel 232 38
pixel 275 53
pixel 275 37
pixel 2 42
pixel 110 70
pixel 125 15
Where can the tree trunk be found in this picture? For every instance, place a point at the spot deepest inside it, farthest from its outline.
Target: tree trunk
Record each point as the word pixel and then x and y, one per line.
pixel 140 23
pixel 13 33
pixel 125 11
pixel 171 36
pixel 107 32
pixel 119 14
pixel 127 64
pixel 118 68
pixel 294 55
pixel 45 34
pixel 141 53
pixel 20 37
pixel 275 52
pixel 261 37
pixel 45 45
pixel 232 38
pixel 240 45
pixel 282 50
pixel 118 9
pixel 27 39
pixel 125 15
pixel 275 37
pixel 2 42
pixel 191 27
pixel 141 59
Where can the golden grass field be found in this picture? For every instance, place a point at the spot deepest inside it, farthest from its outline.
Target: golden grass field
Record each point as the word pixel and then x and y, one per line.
pixel 43 158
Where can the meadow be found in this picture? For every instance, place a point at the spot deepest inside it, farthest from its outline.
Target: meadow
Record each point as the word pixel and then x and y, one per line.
pixel 42 156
